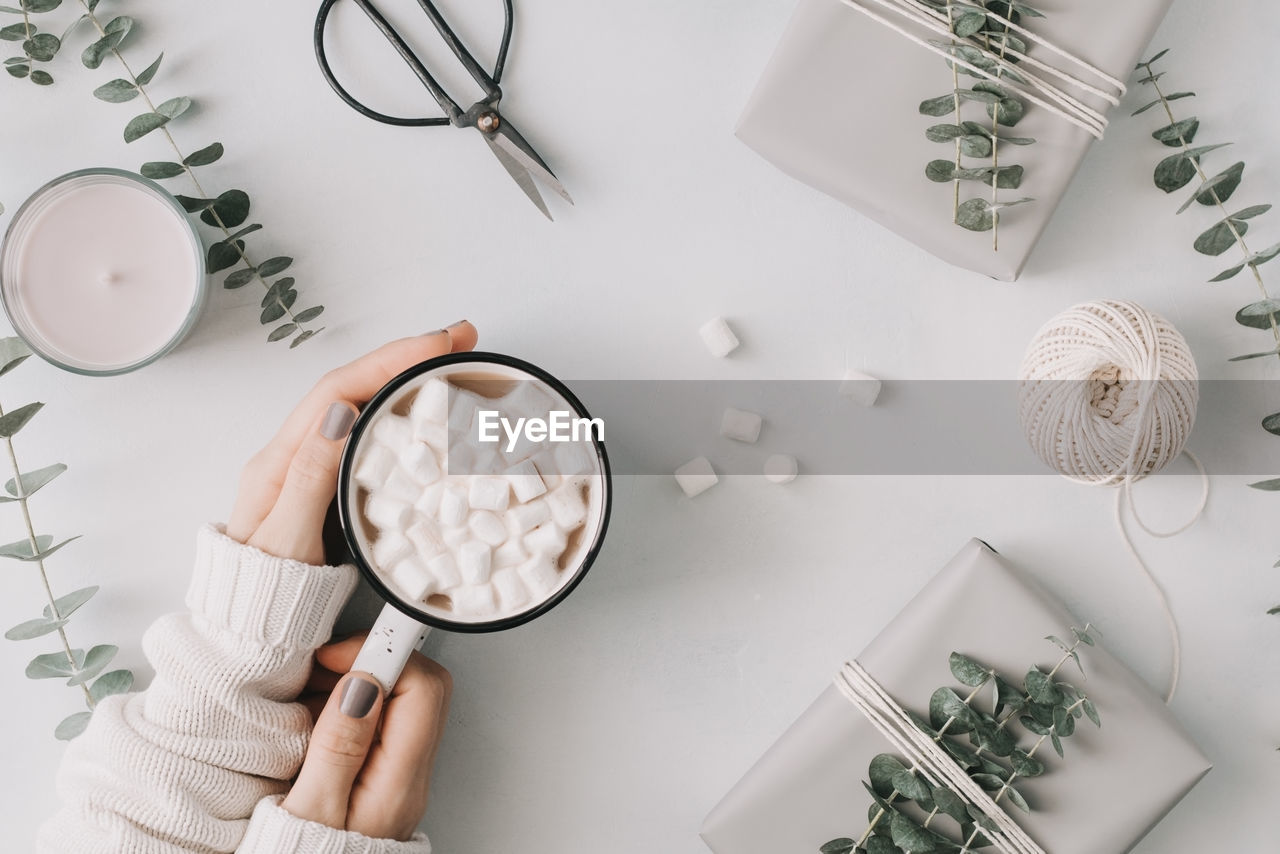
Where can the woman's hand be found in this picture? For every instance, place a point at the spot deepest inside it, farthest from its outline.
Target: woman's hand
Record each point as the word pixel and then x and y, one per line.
pixel 360 774
pixel 286 488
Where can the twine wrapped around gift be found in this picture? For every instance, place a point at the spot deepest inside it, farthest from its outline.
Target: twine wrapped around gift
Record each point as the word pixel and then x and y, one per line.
pixel 1030 85
pixel 1108 395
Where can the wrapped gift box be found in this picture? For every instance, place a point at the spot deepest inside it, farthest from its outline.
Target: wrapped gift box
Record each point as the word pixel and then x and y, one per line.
pixel 837 108
pixel 1114 785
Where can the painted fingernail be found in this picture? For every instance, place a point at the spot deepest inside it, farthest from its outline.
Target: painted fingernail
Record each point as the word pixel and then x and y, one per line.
pixel 456 325
pixel 434 332
pixel 337 421
pixel 358 697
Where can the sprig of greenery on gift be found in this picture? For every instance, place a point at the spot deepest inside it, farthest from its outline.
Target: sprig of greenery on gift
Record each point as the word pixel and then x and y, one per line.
pixel 1179 169
pixel 985 43
pixel 82 669
pixel 906 807
pixel 37 46
pixel 227 212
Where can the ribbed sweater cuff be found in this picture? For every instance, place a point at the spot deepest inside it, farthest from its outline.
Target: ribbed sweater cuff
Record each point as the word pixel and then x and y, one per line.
pixel 265 599
pixel 272 830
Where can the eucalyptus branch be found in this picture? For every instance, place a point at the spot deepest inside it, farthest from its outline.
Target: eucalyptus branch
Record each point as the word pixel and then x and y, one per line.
pixel 1175 172
pixel 1044 706
pixel 36 46
pixel 983 42
pixel 81 669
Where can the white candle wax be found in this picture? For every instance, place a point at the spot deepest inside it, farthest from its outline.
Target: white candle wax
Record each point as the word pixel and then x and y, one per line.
pixel 102 272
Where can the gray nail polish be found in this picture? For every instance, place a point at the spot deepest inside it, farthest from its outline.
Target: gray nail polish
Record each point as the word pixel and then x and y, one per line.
pixel 337 421
pixel 456 325
pixel 358 696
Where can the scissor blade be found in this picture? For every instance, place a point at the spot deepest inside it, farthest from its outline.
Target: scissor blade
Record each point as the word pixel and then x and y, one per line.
pixel 509 139
pixel 520 174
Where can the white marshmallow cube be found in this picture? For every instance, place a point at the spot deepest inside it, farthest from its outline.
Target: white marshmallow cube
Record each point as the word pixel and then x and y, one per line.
pixel 696 476
pixel 860 388
pixel 431 406
pixel 781 468
pixel 400 486
pixel 487 527
pixel 575 458
pixel 474 562
pixel 566 505
pixel 489 493
pixel 529 399
pixel 718 337
pixel 474 601
pixel 525 517
pixel 433 433
pixel 462 412
pixel 453 506
pixel 546 540
pixel 375 466
pixel 509 554
pixel 420 462
pixel 387 514
pixel 425 538
pixel 540 575
pixel 393 431
pixel 740 425
pixel 525 481
pixel 548 469
pixel 413 579
pixel 512 592
pixel 391 548
pixel 445 570
pixel 455 537
pixel 428 503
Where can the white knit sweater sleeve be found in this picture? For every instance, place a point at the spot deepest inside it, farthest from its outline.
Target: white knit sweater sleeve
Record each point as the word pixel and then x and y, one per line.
pixel 216 738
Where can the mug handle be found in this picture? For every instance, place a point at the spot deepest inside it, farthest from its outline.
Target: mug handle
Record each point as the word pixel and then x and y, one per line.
pixel 391 641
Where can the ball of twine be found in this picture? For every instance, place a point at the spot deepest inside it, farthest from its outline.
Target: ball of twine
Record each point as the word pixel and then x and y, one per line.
pixel 1108 392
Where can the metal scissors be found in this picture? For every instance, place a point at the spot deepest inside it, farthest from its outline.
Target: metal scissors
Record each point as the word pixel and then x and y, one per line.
pixel 515 154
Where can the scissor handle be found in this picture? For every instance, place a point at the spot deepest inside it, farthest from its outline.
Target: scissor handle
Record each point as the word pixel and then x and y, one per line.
pixel 453 112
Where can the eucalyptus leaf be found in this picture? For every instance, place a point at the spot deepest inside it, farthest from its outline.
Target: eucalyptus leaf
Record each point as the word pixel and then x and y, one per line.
pixel 1174 97
pixel 947 709
pixel 1257 259
pixel 943 132
pixel 303 336
pixel 1063 723
pixel 1220 187
pixel 282 331
pixel 975 215
pixel 18 70
pixel 1153 59
pixel 881 771
pixel 13 352
pixel 70 603
pixel 1258 322
pixel 938 107
pixel 42 47
pixel 33 481
pixel 1179 133
pixel 911 786
pixel 40 6
pixel 911 837
pixel 191 204
pixel 978 94
pixel 1015 797
pixel 1227 273
pixel 21 550
pixel 205 156
pixel 116 29
pixel 1091 711
pixel 12 422
pixel 1026 765
pixel 111 683
pixel 940 171
pixel 881 845
pixel 116 91
pixel 174 107
pixel 1261 308
pixel 1272 423
pixel 1272 485
pixel 160 169
pixel 16 32
pixel 1056 742
pixel 948 803
pixel 34 629
pixel 228 210
pixel 149 73
pixel 140 126
pixel 969 23
pixel 975 145
pixel 224 254
pixel 1219 237
pixel 989 782
pixel 279 308
pixel 239 278
pixel 41 78
pixel 272 266
pixel 72 726
pixel 55 665
pixel 968 671
pixel 94 662
pixel 277 288
pixel 838 846
pixel 1247 356
pixel 1040 687
pixel 308 314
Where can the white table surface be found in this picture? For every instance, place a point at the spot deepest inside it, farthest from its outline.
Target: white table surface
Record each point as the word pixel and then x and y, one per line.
pixel 618 721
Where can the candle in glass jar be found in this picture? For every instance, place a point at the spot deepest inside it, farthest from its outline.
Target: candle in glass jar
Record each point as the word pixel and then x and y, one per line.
pixel 102 272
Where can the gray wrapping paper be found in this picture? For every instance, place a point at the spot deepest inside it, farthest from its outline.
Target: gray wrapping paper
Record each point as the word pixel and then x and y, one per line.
pixel 836 108
pixel 1114 785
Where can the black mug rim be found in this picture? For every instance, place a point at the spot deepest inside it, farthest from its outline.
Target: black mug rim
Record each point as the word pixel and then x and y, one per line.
pixel 348 523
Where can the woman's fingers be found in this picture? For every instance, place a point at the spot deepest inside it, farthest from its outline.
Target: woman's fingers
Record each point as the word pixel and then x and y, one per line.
pixel 292 528
pixel 264 476
pixel 343 734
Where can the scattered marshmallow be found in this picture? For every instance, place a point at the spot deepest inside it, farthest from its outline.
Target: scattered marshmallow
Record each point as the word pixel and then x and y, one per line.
pixel 420 462
pixel 475 561
pixel 431 406
pixel 401 487
pixel 487 527
pixel 462 411
pixel 474 600
pixel 860 388
pixel 393 431
pixel 489 493
pixel 428 503
pixel 566 505
pixel 444 569
pixel 525 517
pixel 740 425
pixel 433 433
pixel 546 541
pixel 425 538
pixel 511 590
pixel 528 399
pixel 540 575
pixel 696 476
pixel 781 468
pixel 453 506
pixel 388 514
pixel 525 481
pixel 455 537
pixel 375 466
pixel 413 579
pixel 390 549
pixel 509 554
pixel 718 337
pixel 575 458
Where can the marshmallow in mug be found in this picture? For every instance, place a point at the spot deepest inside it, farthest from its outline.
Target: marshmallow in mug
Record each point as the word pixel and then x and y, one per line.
pixel 480 530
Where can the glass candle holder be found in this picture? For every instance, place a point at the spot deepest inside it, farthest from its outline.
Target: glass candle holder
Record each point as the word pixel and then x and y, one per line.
pixel 102 272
